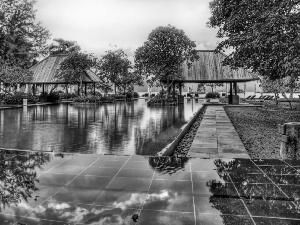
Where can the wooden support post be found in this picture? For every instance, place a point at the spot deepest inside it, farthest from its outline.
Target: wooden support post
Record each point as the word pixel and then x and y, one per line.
pixel 94 89
pixel 43 89
pixel 235 88
pixel 230 88
pixel 180 90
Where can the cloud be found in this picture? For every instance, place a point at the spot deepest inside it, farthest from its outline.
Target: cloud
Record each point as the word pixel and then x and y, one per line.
pixel 95 24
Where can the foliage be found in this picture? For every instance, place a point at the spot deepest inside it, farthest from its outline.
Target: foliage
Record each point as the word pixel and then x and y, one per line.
pixel 212 95
pixel 67 95
pixel 12 74
pixel 22 40
pixel 18 176
pixel 17 98
pixel 74 67
pixel 161 57
pixel 135 95
pixel 162 99
pixel 265 39
pixel 93 99
pixel 280 85
pixel 63 47
pixel 201 87
pixel 214 85
pixel 53 96
pixel 115 67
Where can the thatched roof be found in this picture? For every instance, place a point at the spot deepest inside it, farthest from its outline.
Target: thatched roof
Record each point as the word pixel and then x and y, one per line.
pixel 44 71
pixel 209 68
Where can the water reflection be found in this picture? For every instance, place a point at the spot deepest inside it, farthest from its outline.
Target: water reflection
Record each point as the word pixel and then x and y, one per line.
pixel 19 176
pixel 120 128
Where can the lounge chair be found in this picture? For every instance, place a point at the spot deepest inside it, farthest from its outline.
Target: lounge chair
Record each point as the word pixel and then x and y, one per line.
pixel 252 97
pixel 249 97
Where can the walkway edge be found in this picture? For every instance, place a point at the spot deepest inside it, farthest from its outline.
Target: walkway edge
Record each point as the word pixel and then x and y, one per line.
pixel 170 148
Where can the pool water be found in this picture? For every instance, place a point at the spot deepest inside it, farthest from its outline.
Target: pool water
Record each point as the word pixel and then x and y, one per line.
pixel 124 128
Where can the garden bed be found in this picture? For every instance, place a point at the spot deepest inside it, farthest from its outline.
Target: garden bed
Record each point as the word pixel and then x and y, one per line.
pixel 257 127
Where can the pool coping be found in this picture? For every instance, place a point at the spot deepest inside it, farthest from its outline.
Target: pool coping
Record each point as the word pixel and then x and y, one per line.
pixel 170 148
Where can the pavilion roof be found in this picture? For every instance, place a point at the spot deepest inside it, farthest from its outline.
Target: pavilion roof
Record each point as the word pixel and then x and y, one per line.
pixel 44 71
pixel 209 68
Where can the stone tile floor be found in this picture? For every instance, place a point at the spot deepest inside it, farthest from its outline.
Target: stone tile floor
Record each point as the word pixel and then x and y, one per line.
pixel 41 188
pixel 216 137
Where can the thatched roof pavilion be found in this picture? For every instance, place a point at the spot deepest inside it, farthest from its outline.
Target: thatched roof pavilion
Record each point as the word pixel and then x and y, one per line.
pixel 44 72
pixel 209 69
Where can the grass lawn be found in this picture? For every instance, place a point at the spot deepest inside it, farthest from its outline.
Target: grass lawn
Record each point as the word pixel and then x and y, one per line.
pixel 257 127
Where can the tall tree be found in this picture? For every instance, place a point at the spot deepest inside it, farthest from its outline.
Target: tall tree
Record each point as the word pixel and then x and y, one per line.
pixel 264 35
pixel 115 67
pixel 74 67
pixel 23 39
pixel 161 57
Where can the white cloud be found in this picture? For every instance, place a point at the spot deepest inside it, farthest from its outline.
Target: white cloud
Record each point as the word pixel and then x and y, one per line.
pixel 95 24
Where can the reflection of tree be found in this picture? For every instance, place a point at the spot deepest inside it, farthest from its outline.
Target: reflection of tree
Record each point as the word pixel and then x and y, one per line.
pixel 168 165
pixel 18 176
pixel 160 131
pixel 248 188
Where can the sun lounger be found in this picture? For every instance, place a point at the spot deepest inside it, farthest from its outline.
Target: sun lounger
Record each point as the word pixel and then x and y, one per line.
pixel 252 97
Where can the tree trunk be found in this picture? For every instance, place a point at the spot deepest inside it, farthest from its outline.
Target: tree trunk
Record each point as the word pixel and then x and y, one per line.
pixel 291 93
pixel 284 95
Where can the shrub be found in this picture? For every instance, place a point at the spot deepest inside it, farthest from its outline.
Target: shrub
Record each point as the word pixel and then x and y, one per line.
pixel 87 99
pixel 17 98
pixel 53 96
pixel 67 95
pixel 135 95
pixel 212 95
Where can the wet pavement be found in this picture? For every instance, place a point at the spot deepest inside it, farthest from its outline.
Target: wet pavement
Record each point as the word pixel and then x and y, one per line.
pixel 216 137
pixel 42 188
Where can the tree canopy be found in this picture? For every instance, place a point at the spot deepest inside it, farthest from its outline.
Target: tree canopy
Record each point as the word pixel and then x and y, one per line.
pixel 63 47
pixel 264 35
pixel 162 55
pixel 22 39
pixel 115 67
pixel 74 67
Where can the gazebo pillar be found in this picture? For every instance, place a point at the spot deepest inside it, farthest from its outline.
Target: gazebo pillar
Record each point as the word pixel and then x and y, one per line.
pixel 180 98
pixel 26 88
pixel 85 89
pixel 94 89
pixel 43 89
pixel 18 87
pixel 180 90
pixel 1 87
pixel 34 89
pixel 235 88
pixel 233 99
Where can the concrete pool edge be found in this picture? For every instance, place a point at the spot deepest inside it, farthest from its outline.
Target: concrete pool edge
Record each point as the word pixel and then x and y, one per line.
pixel 170 148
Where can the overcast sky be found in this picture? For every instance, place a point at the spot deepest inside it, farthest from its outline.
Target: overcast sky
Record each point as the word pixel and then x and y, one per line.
pixel 97 24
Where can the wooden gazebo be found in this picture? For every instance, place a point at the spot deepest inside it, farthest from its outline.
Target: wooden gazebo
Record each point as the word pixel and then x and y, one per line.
pixel 209 69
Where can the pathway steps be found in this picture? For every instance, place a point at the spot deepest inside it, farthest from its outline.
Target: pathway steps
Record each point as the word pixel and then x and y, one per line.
pixel 216 137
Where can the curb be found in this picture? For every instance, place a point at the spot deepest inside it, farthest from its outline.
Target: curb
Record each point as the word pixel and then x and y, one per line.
pixel 170 149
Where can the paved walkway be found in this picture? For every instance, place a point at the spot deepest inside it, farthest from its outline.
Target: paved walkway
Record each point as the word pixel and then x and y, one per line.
pixel 216 137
